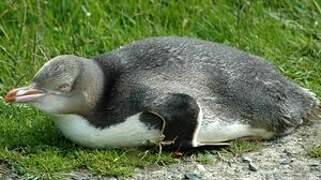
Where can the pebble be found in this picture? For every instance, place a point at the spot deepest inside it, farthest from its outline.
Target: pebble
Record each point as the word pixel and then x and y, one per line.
pixel 288 152
pixel 246 159
pixel 200 167
pixel 112 178
pixel 252 167
pixel 314 164
pixel 286 161
pixel 315 167
pixel 192 176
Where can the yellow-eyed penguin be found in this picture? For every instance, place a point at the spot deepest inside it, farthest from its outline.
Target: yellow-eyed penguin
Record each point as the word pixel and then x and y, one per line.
pixel 168 89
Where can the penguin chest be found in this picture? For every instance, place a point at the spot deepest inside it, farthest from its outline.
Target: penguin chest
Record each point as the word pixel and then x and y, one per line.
pixel 131 132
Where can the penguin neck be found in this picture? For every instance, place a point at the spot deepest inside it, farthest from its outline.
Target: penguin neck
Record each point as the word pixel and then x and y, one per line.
pixel 92 83
pixel 103 73
pixel 95 90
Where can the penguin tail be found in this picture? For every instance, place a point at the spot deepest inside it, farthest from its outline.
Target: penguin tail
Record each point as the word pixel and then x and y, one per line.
pixel 314 114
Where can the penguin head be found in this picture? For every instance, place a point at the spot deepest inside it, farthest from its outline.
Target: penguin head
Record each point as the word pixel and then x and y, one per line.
pixel 64 85
pixel 59 74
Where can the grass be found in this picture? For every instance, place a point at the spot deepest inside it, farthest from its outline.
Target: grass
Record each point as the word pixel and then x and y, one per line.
pixel 315 152
pixel 286 32
pixel 240 146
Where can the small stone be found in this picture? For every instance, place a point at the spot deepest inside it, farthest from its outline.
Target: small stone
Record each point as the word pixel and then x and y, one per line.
pixel 287 152
pixel 158 172
pixel 192 176
pixel 246 159
pixel 200 167
pixel 285 161
pixel 314 164
pixel 173 177
pixel 252 167
pixel 315 167
pixel 112 178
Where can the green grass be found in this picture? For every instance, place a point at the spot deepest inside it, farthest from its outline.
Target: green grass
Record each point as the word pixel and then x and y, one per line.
pixel 315 152
pixel 240 146
pixel 286 32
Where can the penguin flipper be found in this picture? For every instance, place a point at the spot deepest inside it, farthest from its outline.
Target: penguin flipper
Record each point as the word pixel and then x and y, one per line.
pixel 180 114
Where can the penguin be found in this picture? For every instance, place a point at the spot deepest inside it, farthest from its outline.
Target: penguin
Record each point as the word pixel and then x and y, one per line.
pixel 179 92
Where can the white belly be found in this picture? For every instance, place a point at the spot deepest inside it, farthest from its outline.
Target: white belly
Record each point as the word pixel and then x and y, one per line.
pixel 131 132
pixel 215 131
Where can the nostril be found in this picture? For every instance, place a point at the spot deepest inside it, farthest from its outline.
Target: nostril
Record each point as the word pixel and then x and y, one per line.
pixel 10 96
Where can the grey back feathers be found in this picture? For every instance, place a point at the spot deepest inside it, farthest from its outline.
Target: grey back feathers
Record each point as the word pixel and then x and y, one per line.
pixel 230 85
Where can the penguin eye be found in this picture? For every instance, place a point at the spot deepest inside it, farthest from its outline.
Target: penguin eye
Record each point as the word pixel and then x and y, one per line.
pixel 64 87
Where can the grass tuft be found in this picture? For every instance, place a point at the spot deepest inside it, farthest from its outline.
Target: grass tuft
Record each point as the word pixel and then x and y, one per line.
pixel 315 152
pixel 205 157
pixel 239 147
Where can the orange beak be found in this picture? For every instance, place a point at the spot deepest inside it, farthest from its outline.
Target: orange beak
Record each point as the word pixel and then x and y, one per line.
pixel 23 95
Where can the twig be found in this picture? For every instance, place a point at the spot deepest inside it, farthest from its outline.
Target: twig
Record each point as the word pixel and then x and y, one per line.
pixel 145 154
